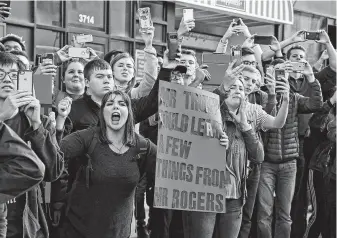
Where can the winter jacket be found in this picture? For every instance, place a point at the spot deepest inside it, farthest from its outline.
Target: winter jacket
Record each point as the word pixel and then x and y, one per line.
pixel 318 139
pixel 20 168
pixel 242 146
pixel 43 143
pixel 282 145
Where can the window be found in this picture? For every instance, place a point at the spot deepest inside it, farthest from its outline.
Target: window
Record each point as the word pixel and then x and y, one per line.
pixel 120 18
pixel 48 38
pixel 22 10
pixel 156 9
pixel 119 45
pixel 86 14
pixel 48 13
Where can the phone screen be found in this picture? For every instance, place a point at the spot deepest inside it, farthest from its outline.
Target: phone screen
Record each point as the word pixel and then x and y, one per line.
pixel 263 40
pixel 25 81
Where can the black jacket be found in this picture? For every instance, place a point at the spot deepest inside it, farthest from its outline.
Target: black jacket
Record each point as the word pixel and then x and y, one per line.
pixel 43 143
pixel 20 168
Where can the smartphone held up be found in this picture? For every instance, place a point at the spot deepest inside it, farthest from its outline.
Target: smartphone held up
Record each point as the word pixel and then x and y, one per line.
pixel 144 15
pixel 173 45
pixel 188 14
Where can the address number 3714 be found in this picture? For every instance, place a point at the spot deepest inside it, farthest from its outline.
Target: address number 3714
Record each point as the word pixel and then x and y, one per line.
pixel 86 19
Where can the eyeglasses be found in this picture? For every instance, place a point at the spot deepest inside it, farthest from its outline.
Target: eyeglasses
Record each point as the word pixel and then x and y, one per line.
pixel 13 75
pixel 246 62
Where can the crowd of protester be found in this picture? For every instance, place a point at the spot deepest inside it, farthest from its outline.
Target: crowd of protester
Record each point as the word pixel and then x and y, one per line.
pixel 279 135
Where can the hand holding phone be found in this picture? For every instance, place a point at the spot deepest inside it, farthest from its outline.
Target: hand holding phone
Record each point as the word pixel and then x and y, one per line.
pixel 173 45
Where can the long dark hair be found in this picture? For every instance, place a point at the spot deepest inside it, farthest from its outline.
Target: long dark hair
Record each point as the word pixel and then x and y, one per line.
pixel 129 132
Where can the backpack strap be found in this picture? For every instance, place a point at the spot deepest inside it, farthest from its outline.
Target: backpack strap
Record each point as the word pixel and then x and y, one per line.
pixel 88 169
pixel 142 146
pixel 88 155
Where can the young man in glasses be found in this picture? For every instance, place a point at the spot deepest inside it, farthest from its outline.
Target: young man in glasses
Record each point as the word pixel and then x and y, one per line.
pixel 21 112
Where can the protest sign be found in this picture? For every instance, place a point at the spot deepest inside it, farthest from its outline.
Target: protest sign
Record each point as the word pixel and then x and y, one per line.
pixel 190 168
pixel 140 61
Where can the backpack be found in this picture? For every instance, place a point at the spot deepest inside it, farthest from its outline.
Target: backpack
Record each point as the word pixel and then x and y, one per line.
pixel 86 165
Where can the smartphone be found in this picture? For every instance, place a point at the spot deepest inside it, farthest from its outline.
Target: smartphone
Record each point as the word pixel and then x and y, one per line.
pixel 25 81
pixel 188 14
pixel 84 38
pixel 144 17
pixel 38 59
pixel 217 64
pixel 173 45
pixel 269 69
pixel 298 66
pixel 43 85
pixel 236 52
pixel 279 73
pixel 8 4
pixel 263 40
pixel 237 22
pixel 47 58
pixel 311 35
pixel 79 53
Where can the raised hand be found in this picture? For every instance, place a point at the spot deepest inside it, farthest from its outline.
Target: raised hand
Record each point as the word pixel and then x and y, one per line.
pixel 298 37
pixel 13 103
pixel 92 54
pixel 64 107
pixel 324 55
pixel 185 27
pixel 32 111
pixel 275 44
pixel 232 72
pixel 249 42
pixel 243 28
pixel 4 10
pixel 147 35
pixel 46 69
pixel 270 83
pixel 63 53
pixel 232 29
pixel 170 64
pixel 307 71
pixel 240 116
pixel 323 37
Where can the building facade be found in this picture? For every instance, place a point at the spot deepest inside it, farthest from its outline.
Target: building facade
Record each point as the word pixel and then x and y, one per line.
pixel 46 26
